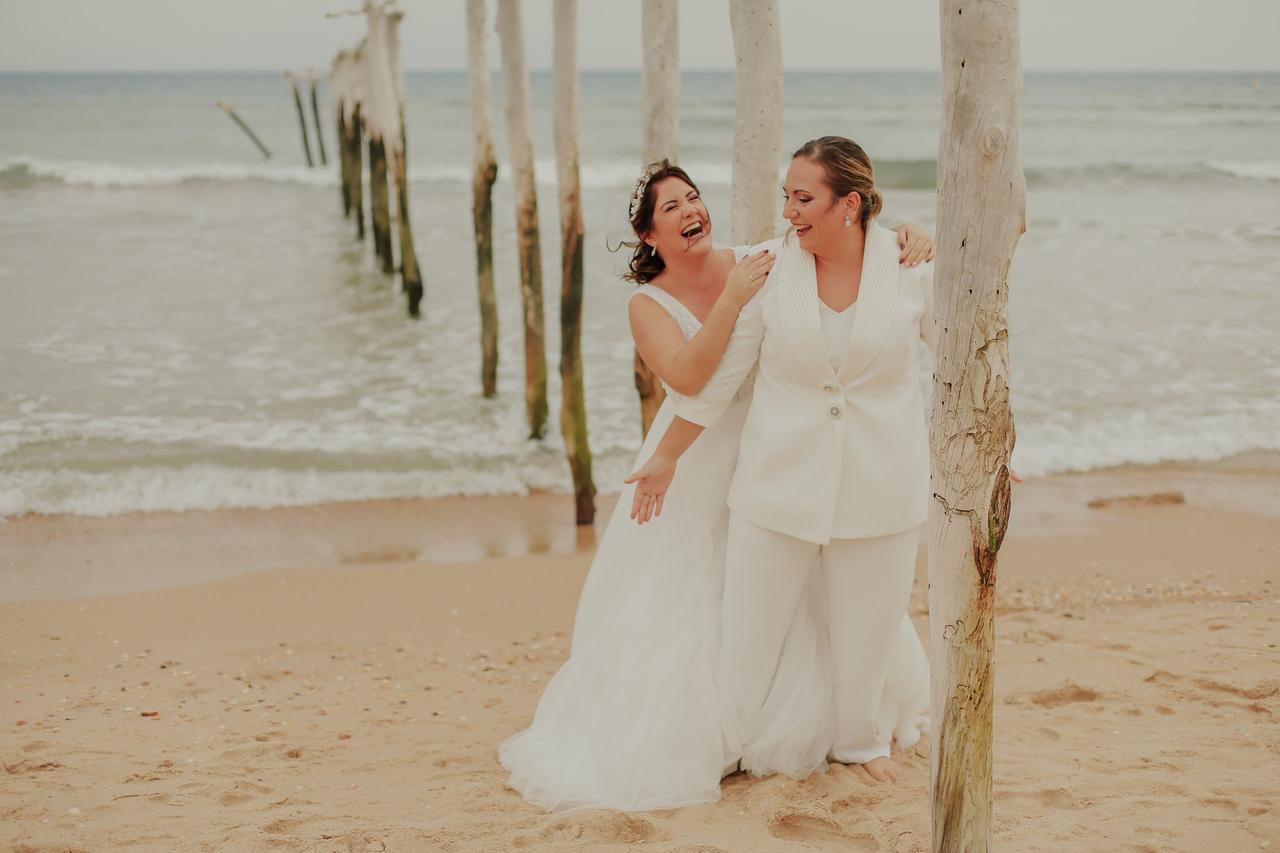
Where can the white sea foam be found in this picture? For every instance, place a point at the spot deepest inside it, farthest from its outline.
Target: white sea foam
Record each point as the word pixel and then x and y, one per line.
pixel 205 487
pixel 1265 170
pixel 1043 448
pixel 614 174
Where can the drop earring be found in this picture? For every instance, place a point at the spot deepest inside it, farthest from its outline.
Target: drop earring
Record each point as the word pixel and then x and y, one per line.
pixel 848 223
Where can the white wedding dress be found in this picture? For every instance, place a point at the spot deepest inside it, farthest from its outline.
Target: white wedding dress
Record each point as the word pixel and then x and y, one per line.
pixel 635 719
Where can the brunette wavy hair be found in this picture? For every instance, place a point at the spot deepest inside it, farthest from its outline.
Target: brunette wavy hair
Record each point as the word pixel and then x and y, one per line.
pixel 646 264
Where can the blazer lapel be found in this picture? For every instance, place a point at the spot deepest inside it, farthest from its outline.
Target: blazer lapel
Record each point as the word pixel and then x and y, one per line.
pixel 877 299
pixel 798 311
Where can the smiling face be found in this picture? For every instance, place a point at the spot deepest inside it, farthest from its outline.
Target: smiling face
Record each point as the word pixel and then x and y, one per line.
pixel 814 210
pixel 681 224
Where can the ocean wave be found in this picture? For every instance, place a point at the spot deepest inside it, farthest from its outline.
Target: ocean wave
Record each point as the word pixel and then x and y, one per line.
pixel 26 172
pixel 171 482
pixel 210 486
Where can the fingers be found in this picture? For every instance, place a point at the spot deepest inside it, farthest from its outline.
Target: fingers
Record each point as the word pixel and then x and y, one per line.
pixel 657 510
pixel 914 252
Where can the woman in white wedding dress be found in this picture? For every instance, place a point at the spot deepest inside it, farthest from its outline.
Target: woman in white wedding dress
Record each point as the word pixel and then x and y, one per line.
pixel 636 718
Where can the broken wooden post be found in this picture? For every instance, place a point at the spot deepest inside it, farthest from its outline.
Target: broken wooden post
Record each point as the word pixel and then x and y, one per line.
pixel 226 108
pixel 302 116
pixel 315 115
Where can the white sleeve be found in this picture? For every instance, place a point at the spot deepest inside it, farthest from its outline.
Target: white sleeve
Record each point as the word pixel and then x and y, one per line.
pixel 740 355
pixel 928 324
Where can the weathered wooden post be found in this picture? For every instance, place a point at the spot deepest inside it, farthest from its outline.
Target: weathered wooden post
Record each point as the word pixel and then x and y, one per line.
pixel 315 116
pixel 660 80
pixel 356 132
pixel 981 207
pixel 338 82
pixel 384 46
pixel 484 173
pixel 373 116
pixel 757 126
pixel 516 84
pixel 226 108
pixel 573 406
pixel 302 116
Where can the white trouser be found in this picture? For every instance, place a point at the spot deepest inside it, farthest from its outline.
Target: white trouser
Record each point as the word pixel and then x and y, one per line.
pixel 866 583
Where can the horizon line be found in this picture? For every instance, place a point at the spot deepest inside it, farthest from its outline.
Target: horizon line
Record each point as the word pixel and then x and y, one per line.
pixel 638 71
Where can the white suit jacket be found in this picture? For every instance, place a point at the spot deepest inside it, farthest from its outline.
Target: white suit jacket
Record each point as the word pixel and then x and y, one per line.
pixel 829 453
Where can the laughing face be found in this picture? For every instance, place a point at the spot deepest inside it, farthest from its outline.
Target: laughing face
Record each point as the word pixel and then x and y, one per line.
pixel 681 224
pixel 813 209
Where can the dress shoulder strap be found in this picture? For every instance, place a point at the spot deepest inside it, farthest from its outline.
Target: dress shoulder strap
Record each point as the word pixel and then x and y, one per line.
pixel 689 324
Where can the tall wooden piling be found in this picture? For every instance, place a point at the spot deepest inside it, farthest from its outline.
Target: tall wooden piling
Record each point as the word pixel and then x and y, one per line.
pixel 573 405
pixel 484 173
pixel 981 214
pixel 397 139
pixel 515 77
pixel 757 125
pixel 660 82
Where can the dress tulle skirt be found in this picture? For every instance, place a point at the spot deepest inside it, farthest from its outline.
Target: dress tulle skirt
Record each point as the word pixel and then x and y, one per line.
pixel 635 719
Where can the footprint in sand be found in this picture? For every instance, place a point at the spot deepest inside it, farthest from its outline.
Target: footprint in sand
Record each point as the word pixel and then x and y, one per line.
pixel 1264 689
pixel 799 826
pixel 1060 798
pixel 600 828
pixel 1220 804
pixel 1068 693
pixel 280 827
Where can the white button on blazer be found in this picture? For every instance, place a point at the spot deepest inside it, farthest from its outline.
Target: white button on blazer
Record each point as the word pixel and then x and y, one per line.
pixel 807 468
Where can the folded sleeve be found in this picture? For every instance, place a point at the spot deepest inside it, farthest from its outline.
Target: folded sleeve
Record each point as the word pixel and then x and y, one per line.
pixel 740 355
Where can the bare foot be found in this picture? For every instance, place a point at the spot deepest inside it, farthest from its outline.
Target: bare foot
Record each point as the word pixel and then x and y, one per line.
pixel 882 769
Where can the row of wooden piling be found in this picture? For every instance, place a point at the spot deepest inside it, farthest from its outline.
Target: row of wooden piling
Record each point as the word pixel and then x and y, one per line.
pixel 368 93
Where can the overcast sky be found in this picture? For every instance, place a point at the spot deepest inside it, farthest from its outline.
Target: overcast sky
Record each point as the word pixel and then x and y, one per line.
pixel 1058 35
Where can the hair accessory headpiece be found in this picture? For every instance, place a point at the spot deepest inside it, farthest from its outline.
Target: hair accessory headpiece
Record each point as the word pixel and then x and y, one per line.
pixel 637 194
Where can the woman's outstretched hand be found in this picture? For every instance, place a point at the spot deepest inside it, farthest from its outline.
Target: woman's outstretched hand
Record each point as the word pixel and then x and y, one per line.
pixel 915 245
pixel 746 277
pixel 652 480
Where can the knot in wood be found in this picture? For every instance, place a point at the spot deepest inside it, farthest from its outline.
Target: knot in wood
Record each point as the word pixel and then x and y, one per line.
pixel 992 142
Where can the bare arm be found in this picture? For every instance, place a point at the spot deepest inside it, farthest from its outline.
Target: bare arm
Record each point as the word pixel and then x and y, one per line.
pixel 694 414
pixel 654 477
pixel 686 367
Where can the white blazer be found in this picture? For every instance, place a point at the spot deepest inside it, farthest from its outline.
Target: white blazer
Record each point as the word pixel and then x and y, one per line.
pixel 829 453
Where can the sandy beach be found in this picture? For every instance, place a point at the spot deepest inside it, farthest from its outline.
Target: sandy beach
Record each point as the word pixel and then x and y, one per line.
pixel 338 677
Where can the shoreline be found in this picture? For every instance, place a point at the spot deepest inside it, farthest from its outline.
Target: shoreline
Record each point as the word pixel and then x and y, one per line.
pixel 60 556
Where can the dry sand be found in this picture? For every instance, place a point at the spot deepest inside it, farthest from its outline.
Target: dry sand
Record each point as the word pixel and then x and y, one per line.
pixel 333 678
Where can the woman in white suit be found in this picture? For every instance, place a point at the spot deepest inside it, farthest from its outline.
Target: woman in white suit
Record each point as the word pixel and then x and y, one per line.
pixel 635 719
pixel 833 464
